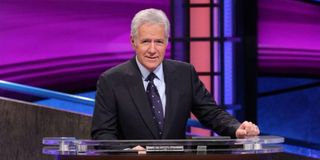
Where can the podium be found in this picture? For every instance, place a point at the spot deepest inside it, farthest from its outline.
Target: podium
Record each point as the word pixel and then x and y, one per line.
pixel 218 148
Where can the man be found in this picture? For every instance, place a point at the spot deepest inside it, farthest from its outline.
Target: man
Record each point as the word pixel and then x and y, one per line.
pixel 149 97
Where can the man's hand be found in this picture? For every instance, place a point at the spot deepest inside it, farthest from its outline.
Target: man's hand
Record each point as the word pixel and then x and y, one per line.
pixel 140 149
pixel 247 129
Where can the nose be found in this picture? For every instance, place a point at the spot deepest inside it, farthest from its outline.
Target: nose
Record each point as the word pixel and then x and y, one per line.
pixel 152 48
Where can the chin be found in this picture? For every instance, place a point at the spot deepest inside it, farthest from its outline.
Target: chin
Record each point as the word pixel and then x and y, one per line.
pixel 152 67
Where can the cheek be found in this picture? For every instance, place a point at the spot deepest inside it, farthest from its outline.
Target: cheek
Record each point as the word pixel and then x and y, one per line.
pixel 163 52
pixel 140 51
pixel 143 50
pixel 161 49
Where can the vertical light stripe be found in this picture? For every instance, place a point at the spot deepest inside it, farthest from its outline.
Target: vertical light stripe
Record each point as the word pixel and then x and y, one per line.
pixel 228 53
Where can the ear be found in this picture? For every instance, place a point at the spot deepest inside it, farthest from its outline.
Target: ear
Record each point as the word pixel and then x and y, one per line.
pixel 132 42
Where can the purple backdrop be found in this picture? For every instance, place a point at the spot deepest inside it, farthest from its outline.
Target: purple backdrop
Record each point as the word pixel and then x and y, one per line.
pixel 59 43
pixel 288 37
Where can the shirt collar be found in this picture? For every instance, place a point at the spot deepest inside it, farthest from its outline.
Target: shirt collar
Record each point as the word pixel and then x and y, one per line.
pixel 145 72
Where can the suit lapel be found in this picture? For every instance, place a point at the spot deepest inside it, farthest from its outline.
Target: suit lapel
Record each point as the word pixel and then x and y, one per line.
pixel 139 96
pixel 172 94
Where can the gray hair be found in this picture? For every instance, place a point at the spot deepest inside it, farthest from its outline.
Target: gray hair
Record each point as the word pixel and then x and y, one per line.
pixel 153 16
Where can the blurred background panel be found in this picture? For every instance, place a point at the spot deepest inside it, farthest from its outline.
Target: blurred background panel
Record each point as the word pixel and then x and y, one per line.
pixel 289 70
pixel 288 37
pixel 47 43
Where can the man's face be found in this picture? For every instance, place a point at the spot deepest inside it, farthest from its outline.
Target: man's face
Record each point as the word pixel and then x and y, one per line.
pixel 150 45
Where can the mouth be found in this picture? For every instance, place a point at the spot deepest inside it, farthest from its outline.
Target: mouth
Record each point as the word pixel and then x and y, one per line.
pixel 151 58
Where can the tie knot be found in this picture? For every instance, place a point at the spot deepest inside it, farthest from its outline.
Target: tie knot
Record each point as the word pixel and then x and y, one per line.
pixel 151 76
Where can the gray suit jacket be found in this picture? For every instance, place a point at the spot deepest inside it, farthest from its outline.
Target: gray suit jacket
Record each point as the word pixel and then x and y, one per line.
pixel 122 109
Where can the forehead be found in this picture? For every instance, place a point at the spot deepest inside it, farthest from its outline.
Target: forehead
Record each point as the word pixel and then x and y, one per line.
pixel 151 30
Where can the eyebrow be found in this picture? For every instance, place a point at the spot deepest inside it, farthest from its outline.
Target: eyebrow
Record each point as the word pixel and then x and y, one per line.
pixel 160 39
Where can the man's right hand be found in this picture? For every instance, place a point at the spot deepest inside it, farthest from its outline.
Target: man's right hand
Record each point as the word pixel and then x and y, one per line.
pixel 140 149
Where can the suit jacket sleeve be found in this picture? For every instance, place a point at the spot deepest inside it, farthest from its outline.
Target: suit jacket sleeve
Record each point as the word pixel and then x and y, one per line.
pixel 207 111
pixel 104 121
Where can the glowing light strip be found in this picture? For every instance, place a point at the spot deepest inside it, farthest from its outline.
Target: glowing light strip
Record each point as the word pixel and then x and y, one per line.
pixel 228 53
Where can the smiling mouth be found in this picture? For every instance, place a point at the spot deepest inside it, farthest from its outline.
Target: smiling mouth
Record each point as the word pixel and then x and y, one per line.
pixel 152 58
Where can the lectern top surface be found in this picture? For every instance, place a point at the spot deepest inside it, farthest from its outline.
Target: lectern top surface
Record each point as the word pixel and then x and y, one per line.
pixel 202 145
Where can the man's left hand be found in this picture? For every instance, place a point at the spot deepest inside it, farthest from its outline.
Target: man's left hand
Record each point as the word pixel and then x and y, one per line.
pixel 247 129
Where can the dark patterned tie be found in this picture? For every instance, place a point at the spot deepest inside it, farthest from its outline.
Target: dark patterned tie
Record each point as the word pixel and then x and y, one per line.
pixel 155 102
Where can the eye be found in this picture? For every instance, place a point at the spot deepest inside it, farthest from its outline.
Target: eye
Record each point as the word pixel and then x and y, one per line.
pixel 145 41
pixel 159 41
